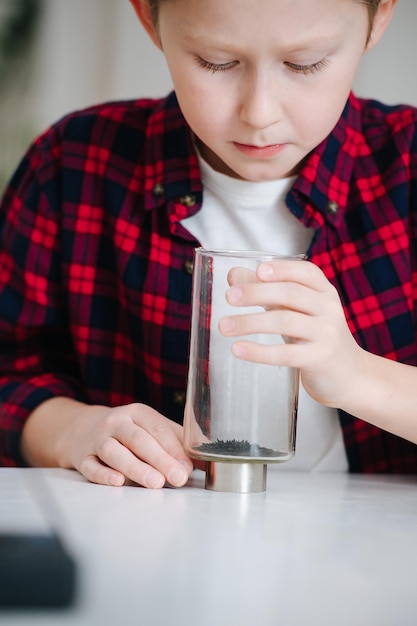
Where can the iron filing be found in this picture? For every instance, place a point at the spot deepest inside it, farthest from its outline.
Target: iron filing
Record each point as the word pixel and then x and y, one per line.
pixel 239 415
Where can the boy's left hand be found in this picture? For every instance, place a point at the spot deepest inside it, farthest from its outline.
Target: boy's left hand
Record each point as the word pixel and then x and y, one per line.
pixel 301 305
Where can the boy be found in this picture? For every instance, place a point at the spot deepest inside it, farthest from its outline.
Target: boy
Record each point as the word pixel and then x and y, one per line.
pixel 101 218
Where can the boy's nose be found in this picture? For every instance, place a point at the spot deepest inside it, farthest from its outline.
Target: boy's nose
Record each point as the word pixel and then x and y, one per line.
pixel 261 106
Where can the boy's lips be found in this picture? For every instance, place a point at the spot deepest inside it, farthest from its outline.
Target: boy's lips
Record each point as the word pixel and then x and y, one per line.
pixel 260 152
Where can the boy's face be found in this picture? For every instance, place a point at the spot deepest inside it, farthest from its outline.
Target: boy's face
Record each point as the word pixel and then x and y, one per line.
pixel 261 83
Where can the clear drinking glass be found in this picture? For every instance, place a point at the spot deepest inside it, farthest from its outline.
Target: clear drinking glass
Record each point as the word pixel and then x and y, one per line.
pixel 239 416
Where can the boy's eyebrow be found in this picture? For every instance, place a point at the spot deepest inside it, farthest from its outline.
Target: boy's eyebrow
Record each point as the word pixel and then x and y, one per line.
pixel 316 42
pixel 301 46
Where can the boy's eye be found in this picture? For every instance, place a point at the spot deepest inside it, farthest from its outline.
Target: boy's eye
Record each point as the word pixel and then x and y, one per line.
pixel 307 69
pixel 214 67
pixel 294 67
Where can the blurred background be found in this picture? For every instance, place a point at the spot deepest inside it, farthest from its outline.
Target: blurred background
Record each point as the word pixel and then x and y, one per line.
pixel 60 55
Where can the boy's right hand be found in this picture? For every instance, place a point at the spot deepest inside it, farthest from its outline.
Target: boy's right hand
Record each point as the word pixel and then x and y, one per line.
pixel 108 445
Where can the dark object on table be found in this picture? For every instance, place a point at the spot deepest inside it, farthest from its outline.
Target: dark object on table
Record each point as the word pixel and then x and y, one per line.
pixel 35 571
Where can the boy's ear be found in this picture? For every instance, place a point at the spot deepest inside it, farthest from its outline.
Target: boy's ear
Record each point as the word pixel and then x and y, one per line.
pixel 381 20
pixel 143 12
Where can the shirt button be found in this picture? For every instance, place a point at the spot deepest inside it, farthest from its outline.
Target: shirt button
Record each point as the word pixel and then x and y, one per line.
pixel 158 189
pixel 188 200
pixel 178 398
pixel 188 266
pixel 332 207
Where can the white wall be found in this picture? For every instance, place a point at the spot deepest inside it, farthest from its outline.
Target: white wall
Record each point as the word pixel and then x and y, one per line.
pixel 388 72
pixel 91 51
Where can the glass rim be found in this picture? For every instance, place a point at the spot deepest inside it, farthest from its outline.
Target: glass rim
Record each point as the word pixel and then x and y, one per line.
pixel 247 254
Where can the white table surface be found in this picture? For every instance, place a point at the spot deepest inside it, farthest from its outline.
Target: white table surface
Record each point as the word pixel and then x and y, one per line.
pixel 314 549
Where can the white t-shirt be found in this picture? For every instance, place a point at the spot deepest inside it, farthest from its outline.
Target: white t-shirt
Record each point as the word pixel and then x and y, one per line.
pixel 242 215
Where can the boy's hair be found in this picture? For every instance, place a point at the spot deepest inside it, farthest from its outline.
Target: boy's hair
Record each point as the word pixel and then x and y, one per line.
pixel 371 4
pixel 372 9
pixel 154 5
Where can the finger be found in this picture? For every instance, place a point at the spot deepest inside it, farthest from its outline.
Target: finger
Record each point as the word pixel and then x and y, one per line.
pixel 116 455
pixel 240 275
pixel 276 322
pixel 167 433
pixel 96 472
pixel 142 446
pixel 288 355
pixel 281 295
pixel 297 271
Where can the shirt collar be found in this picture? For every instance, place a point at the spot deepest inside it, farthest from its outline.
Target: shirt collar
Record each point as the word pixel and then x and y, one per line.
pixel 171 164
pixel 320 192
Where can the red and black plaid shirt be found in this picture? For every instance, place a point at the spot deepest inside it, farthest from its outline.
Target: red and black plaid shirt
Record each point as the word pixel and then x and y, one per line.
pixel 95 267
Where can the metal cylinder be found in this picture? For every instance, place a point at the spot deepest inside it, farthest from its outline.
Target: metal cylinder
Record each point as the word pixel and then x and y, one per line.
pixel 236 477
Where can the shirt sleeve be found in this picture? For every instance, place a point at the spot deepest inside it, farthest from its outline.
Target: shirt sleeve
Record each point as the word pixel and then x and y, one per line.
pixel 37 358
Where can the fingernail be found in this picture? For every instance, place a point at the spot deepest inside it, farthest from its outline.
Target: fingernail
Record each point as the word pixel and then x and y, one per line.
pixel 177 476
pixel 116 480
pixel 265 270
pixel 227 325
pixel 239 351
pixel 153 480
pixel 234 294
pixel 187 465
